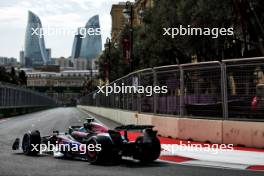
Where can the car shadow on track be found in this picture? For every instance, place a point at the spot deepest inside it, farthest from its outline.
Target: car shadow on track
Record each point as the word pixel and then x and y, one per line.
pixel 38 156
pixel 129 163
pixel 136 164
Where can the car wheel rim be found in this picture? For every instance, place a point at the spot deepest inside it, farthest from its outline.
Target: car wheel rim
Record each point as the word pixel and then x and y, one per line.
pixel 26 143
pixel 92 154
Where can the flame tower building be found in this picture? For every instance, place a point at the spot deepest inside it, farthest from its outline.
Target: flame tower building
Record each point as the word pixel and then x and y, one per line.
pixel 91 45
pixel 87 47
pixel 35 52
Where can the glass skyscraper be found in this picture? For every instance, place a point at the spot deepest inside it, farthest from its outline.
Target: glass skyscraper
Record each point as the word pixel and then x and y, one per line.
pixel 76 48
pixel 35 51
pixel 90 45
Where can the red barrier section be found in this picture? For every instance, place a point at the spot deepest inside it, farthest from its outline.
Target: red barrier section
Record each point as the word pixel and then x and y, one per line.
pixel 163 140
pixel 178 159
pixel 260 168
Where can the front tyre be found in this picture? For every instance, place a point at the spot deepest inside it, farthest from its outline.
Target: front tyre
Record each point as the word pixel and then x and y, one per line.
pixel 31 143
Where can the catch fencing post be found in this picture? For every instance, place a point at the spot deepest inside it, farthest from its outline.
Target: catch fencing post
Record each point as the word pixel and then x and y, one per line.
pixel 139 95
pixel 181 92
pixel 155 98
pixel 224 91
pixel 123 97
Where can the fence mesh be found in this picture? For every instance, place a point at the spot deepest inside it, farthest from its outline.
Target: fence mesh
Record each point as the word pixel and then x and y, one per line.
pixel 202 90
pixel 146 98
pixel 168 103
pixel 245 83
pixel 228 89
pixel 12 96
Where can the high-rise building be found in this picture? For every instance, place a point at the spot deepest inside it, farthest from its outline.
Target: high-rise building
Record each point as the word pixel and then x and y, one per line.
pixel 62 62
pixel 5 61
pixel 48 50
pixel 35 52
pixel 87 44
pixel 80 64
pixel 91 45
pixel 119 21
pixel 139 7
pixel 22 58
pixel 76 48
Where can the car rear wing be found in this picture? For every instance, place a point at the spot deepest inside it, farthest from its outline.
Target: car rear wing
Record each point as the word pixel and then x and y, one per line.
pixel 146 129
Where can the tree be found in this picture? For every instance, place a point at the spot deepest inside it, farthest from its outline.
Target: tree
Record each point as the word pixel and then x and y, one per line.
pixel 4 77
pixel 152 48
pixel 13 76
pixel 116 64
pixel 164 50
pixel 22 78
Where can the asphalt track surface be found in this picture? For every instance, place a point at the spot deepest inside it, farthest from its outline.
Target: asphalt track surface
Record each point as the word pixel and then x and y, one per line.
pixel 16 164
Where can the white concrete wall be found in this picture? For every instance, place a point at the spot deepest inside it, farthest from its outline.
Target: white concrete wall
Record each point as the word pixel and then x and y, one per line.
pixel 244 133
pixel 250 134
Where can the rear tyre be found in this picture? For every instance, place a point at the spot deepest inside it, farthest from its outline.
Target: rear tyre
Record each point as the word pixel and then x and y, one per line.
pixel 31 143
pixel 147 152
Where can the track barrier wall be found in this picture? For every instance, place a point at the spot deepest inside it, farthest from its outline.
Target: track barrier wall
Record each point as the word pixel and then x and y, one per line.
pixel 16 100
pixel 218 102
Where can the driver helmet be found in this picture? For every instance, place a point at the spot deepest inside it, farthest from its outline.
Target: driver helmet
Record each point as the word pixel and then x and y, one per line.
pixel 87 125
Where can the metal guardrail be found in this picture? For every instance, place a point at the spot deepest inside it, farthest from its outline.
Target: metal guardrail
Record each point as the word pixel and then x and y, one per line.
pixel 231 89
pixel 13 96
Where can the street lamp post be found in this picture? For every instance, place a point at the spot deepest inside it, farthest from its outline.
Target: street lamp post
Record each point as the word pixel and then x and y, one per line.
pixel 107 61
pixel 128 14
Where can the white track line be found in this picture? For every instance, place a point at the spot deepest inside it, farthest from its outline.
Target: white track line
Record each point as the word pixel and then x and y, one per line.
pixel 3 120
pixel 236 157
pixel 216 165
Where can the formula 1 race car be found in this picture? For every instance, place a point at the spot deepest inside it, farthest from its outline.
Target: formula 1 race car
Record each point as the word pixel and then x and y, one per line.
pixel 95 143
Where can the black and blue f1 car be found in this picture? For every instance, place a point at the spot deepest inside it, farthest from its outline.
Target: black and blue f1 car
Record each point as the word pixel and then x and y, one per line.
pixel 104 145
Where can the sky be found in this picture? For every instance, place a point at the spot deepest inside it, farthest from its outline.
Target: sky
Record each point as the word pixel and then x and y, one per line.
pixel 68 14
